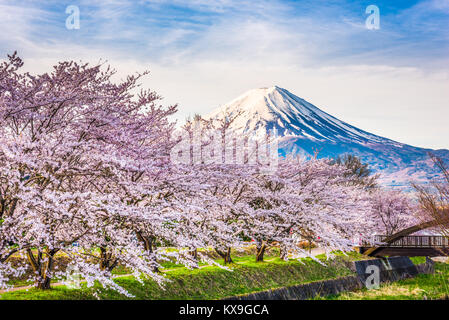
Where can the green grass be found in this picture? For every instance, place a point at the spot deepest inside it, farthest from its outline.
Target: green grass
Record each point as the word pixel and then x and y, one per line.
pixel 424 286
pixel 209 282
pixel 418 260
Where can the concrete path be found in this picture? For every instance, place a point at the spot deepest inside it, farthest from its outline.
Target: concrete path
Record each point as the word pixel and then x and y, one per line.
pixel 440 259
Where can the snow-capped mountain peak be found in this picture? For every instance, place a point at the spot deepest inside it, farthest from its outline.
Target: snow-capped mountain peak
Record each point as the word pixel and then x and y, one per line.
pixel 274 107
pixel 306 129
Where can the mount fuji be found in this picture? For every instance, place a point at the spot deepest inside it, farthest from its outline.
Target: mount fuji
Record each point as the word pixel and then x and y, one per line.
pixel 305 129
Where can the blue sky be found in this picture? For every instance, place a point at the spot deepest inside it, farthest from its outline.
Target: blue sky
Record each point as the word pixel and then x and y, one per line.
pixel 202 53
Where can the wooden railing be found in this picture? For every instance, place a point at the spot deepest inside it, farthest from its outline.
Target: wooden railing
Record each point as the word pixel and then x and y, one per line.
pixel 415 242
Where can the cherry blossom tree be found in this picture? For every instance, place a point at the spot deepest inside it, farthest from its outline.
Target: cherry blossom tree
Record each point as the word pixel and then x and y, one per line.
pixel 87 170
pixel 304 198
pixel 219 187
pixel 391 211
pixel 82 158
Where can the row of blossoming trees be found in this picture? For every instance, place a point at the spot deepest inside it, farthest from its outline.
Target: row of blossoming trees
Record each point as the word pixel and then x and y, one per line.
pixel 86 161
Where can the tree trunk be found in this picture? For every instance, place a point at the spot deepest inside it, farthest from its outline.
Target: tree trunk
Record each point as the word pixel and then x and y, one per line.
pixel 283 254
pixel 45 284
pixel 226 255
pixel 228 258
pixel 42 268
pixel 260 252
pixel 194 254
pixel 149 244
pixel 107 260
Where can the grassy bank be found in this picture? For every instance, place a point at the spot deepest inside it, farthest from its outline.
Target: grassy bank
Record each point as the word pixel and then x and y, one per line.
pixel 424 286
pixel 208 282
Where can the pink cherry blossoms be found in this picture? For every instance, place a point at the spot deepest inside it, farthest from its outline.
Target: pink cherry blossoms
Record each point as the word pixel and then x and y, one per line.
pixel 85 172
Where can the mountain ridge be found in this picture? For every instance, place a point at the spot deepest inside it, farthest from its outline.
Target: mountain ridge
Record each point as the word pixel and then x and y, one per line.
pixel 305 129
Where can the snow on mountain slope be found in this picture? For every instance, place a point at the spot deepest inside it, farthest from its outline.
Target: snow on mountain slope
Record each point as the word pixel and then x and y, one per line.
pixel 305 129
